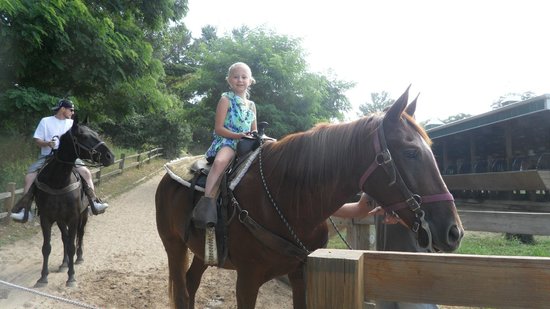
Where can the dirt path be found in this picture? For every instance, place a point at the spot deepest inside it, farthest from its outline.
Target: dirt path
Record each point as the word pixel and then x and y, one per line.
pixel 125 265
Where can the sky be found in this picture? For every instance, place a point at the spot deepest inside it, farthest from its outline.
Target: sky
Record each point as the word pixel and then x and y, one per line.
pixel 460 56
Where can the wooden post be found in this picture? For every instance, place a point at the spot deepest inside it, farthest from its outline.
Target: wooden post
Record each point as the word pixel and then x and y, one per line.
pixel 98 176
pixel 139 160
pixel 121 164
pixel 149 156
pixel 335 279
pixel 10 201
pixel 359 232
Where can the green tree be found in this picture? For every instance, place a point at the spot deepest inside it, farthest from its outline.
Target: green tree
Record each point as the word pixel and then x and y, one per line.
pixel 512 97
pixel 289 97
pixel 171 46
pixel 379 101
pixel 456 117
pixel 93 51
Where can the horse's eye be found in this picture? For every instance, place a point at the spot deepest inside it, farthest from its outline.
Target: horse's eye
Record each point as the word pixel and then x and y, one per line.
pixel 410 153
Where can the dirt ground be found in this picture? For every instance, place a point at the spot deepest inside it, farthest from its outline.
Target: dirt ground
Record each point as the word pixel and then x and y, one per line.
pixel 125 265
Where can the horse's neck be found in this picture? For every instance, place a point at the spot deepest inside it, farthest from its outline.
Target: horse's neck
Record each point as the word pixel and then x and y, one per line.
pixel 56 173
pixel 319 190
pixel 315 201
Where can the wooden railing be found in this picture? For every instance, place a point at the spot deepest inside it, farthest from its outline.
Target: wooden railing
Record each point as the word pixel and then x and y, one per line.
pixel 347 278
pixel 482 220
pixel 99 174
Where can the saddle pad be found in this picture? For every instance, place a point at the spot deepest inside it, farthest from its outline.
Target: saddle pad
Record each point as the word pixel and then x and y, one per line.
pixel 180 170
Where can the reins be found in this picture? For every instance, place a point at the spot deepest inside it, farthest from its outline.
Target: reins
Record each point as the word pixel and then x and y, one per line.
pixel 279 212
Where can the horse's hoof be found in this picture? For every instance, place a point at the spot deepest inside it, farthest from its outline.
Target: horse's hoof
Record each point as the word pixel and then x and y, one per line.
pixel 71 284
pixel 41 283
pixel 79 261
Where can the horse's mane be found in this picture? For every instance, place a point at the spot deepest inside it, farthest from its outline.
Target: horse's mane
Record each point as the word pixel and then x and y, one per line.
pixel 310 163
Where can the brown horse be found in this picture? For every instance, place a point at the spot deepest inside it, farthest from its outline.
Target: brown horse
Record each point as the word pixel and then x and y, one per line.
pixel 294 185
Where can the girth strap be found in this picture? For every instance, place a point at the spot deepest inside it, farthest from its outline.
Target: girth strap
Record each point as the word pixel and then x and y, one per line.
pixel 44 187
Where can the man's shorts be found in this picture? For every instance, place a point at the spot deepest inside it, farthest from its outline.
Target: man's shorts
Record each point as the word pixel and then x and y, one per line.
pixel 42 159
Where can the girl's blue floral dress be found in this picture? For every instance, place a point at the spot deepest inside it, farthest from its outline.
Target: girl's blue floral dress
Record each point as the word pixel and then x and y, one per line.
pixel 239 119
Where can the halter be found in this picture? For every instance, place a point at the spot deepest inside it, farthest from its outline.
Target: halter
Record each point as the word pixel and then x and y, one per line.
pixel 91 150
pixel 413 201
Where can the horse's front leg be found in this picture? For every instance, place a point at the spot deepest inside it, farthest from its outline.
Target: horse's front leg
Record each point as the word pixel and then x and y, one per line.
pixel 80 237
pixel 64 238
pixel 298 284
pixel 248 285
pixel 46 227
pixel 71 281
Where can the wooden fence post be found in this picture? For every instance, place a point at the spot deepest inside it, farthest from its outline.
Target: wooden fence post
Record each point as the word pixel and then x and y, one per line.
pixel 98 176
pixel 335 279
pixel 139 160
pixel 121 164
pixel 8 205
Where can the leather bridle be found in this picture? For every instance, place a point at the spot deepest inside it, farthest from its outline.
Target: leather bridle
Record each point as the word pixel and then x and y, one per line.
pixel 78 147
pixel 91 150
pixel 413 201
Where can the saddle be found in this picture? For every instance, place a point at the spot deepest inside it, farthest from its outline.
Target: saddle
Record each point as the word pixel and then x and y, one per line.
pixel 26 201
pixel 192 173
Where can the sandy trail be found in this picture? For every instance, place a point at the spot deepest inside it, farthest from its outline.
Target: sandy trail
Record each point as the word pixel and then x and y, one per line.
pixel 125 265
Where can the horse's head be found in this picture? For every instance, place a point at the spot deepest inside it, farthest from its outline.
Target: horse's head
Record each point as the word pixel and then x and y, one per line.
pixel 88 145
pixel 408 181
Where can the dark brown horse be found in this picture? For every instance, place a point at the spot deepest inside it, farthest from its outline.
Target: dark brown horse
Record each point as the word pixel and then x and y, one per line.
pixel 60 198
pixel 295 184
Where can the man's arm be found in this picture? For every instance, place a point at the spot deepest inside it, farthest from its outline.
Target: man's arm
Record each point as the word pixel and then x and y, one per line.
pixel 41 143
pixel 357 209
pixel 365 207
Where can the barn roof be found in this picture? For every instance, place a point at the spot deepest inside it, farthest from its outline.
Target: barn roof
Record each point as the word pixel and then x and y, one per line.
pixel 540 104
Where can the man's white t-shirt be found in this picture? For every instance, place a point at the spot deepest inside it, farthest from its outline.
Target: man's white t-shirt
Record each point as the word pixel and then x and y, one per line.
pixel 50 127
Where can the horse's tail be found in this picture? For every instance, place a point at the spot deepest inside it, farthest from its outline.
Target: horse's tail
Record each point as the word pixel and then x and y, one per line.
pixel 170 215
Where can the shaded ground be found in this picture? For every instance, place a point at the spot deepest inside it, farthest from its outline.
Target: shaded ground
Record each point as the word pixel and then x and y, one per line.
pixel 125 265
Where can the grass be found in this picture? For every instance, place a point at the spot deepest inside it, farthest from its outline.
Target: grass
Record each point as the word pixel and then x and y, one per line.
pixel 17 155
pixel 11 231
pixel 483 243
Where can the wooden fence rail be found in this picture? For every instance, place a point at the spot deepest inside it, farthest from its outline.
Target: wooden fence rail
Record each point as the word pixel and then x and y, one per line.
pixel 515 222
pixel 98 175
pixel 348 278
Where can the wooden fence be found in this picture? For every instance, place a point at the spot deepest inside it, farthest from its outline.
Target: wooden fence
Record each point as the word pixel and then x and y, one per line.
pixel 348 278
pixel 98 174
pixel 481 219
pixel 354 278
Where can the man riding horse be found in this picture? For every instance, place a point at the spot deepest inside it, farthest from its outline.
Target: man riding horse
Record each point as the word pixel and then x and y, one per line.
pixel 46 137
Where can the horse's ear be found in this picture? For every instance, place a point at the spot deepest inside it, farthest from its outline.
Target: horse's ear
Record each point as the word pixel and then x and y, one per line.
pixel 85 122
pixel 75 119
pixel 397 108
pixel 411 108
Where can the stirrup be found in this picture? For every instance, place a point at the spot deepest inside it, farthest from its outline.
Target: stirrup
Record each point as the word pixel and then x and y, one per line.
pixel 210 248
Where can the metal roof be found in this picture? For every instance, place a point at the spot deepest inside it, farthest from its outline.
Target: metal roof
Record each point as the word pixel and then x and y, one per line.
pixel 515 110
